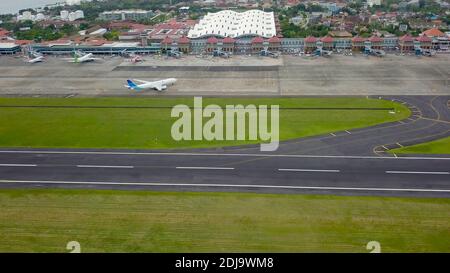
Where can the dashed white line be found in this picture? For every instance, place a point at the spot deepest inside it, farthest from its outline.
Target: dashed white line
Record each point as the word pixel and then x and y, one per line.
pixel 222 186
pixel 348 132
pixel 414 172
pixel 308 170
pixel 18 165
pixel 205 168
pixel 332 134
pixel 100 166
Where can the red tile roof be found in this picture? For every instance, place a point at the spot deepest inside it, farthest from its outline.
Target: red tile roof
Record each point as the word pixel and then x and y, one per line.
pixel 406 38
pixel 375 39
pixel 23 42
pixel 274 39
pixel 95 42
pixel 212 40
pixel 424 39
pixel 129 25
pixel 228 40
pixel 184 40
pixel 167 40
pixel 4 32
pixel 190 22
pixel 326 39
pixel 174 30
pixel 310 39
pixel 58 41
pixel 358 39
pixel 433 32
pixel 258 40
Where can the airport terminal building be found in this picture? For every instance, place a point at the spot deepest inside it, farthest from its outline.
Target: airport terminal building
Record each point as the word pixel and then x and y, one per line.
pixel 247 32
pixel 228 23
pixel 245 45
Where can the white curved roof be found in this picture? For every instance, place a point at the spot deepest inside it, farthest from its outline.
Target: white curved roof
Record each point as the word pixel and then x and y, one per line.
pixel 234 24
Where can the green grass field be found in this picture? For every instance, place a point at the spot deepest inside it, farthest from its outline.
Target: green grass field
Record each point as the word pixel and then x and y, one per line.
pixel 150 128
pixel 440 146
pixel 131 221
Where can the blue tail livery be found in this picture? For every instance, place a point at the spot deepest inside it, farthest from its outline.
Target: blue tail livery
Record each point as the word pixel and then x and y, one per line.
pixel 132 85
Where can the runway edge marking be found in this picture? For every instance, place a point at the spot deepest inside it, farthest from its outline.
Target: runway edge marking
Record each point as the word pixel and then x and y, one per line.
pixel 222 186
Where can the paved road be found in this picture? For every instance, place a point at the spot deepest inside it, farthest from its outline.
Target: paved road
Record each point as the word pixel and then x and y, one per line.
pixel 352 163
pixel 228 172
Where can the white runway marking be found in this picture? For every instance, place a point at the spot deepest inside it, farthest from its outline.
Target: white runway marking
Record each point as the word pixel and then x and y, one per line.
pixel 221 186
pixel 205 168
pixel 100 166
pixel 413 172
pixel 220 154
pixel 308 170
pixel 18 165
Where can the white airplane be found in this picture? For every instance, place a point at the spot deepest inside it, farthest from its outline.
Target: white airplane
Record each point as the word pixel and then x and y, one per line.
pixel 80 57
pixel 322 52
pixel 158 85
pixel 374 52
pixel 34 57
pixel 221 53
pixel 38 59
pixel 132 57
pixel 174 53
pixel 267 53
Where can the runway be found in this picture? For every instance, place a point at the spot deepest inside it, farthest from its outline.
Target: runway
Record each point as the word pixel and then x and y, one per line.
pixel 353 162
pixel 268 173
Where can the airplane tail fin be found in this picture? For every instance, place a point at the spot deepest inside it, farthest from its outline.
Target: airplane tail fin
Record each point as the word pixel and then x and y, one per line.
pixel 132 85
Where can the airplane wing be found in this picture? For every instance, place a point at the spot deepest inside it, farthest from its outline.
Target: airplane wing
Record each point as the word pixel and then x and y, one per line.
pixel 159 87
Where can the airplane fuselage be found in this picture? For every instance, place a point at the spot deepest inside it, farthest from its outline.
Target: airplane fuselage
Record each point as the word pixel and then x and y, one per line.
pixel 157 85
pixel 163 83
pixel 86 58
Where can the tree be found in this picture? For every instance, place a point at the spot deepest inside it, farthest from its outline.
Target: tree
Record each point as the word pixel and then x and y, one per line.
pixel 84 26
pixel 112 35
pixel 68 30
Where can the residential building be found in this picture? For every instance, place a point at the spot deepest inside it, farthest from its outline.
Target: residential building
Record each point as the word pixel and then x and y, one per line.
pixel 123 15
